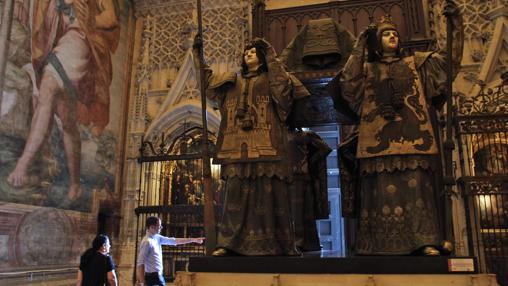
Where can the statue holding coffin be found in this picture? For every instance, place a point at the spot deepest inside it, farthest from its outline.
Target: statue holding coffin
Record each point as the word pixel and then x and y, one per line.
pixel 396 160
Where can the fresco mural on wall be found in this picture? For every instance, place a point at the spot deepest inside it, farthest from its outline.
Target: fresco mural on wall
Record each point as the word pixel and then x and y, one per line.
pixel 60 112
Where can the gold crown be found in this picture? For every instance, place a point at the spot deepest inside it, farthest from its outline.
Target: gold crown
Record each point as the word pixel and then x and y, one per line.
pixel 386 23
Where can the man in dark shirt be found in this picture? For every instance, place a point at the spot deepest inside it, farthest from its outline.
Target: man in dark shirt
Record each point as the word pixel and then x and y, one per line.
pixel 96 267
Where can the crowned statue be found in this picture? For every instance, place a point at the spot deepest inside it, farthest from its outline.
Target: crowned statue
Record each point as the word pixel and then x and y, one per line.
pixel 394 167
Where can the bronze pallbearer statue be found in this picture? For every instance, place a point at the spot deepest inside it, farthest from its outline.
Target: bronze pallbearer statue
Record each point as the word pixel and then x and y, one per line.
pixel 252 148
pixel 395 162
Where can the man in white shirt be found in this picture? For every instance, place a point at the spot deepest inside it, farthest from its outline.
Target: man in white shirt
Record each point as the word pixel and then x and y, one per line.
pixel 149 263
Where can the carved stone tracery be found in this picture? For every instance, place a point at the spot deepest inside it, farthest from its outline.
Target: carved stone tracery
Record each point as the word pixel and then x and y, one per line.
pixel 226 29
pixel 162 36
pixel 477 26
pixel 190 92
pixel 168 32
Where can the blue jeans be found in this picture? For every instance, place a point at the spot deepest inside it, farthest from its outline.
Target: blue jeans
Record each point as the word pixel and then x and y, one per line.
pixel 154 279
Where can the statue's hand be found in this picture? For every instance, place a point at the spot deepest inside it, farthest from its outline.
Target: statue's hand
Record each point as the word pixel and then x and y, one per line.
pixel 450 9
pixel 262 42
pixel 198 42
pixel 361 41
pixel 270 51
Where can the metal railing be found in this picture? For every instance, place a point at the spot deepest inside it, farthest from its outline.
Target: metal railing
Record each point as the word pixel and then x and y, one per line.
pixel 482 130
pixel 171 188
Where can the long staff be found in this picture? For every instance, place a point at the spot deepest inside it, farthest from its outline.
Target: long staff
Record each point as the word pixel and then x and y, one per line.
pixel 449 145
pixel 209 213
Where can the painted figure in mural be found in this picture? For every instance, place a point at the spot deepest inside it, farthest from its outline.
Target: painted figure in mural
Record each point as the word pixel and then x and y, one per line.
pixel 96 266
pixel 395 99
pixel 72 42
pixel 252 148
pixel 149 265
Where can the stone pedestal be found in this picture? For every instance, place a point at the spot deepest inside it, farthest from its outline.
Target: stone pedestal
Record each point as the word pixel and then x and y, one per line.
pixel 331 263
pixel 266 279
pixel 327 269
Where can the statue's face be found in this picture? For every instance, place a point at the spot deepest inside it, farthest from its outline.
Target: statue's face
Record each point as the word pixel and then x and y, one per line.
pixel 251 58
pixel 390 40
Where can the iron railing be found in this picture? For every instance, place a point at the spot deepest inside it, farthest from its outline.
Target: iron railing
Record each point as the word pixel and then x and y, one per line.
pixel 482 129
pixel 171 188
